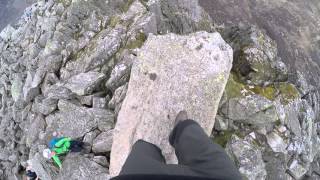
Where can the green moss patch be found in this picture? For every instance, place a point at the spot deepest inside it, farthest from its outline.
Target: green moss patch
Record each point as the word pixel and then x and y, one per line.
pixel 288 92
pixel 114 20
pixel 224 136
pixel 138 42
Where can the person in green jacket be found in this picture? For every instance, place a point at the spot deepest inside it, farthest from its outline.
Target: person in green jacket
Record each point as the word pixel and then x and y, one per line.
pixel 61 146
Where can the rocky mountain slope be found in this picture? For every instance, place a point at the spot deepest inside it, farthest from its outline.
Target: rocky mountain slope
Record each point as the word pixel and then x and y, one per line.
pixel 65 68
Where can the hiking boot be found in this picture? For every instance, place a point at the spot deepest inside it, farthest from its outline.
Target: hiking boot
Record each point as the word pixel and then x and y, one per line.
pixel 182 115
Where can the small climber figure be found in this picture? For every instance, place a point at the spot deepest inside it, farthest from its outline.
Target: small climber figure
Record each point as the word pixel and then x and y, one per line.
pixel 61 146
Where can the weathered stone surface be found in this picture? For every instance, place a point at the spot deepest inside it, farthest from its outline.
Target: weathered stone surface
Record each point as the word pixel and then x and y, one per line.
pixel 85 83
pixel 37 124
pixel 74 121
pixel 77 167
pixel 118 97
pixel 296 169
pixel 171 73
pixel 254 109
pixel 44 106
pixel 255 56
pixel 6 33
pixel 276 142
pixel 16 88
pixel 103 142
pixel 248 158
pixel 180 16
pixel 44 169
pixel 102 160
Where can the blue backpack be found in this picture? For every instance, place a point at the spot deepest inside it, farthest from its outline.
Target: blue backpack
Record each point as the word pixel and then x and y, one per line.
pixel 53 142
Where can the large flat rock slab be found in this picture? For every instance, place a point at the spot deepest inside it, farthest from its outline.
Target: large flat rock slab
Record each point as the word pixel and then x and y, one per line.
pixel 171 73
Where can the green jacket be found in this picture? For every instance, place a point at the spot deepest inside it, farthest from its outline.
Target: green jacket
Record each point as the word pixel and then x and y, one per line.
pixel 61 147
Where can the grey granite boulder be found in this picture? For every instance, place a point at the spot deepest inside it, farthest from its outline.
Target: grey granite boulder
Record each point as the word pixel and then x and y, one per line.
pixel 75 121
pixel 252 109
pixel 103 142
pixel 247 157
pixel 85 83
pixel 76 167
pixel 171 73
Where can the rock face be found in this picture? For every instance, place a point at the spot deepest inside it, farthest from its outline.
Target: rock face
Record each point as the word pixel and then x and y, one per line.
pixel 248 157
pixel 77 167
pixel 179 73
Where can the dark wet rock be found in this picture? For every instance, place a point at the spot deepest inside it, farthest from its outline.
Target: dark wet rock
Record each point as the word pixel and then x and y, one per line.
pixel 103 142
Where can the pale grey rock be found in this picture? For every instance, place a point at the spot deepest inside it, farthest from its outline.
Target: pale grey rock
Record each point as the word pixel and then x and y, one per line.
pixel 44 106
pixel 119 75
pixel 85 83
pixel 276 142
pixel 104 118
pixel 103 142
pixel 43 168
pixel 247 157
pixel 199 62
pixel 252 109
pixel 106 43
pixel 71 121
pixel 118 97
pixel 275 165
pixel 102 160
pixel 90 136
pixel 76 167
pixel 296 169
pixel 16 88
pixel 37 124
pixel 180 16
pixel 30 89
pixel 58 91
pixel 6 33
pixel 99 102
pixel 221 124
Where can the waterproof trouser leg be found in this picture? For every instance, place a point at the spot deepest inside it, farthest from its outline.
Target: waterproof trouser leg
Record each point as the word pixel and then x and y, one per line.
pixel 197 156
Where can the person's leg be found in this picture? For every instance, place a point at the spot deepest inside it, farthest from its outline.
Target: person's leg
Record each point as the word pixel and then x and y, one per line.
pixel 196 150
pixel 76 146
pixel 146 158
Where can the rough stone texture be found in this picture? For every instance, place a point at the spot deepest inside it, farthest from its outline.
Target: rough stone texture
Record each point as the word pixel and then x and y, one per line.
pixel 179 73
pixel 253 109
pixel 85 83
pixel 248 157
pixel 43 169
pixel 77 167
pixel 103 142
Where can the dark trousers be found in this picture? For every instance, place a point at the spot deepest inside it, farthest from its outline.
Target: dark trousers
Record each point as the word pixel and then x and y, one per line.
pixel 197 156
pixel 76 146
